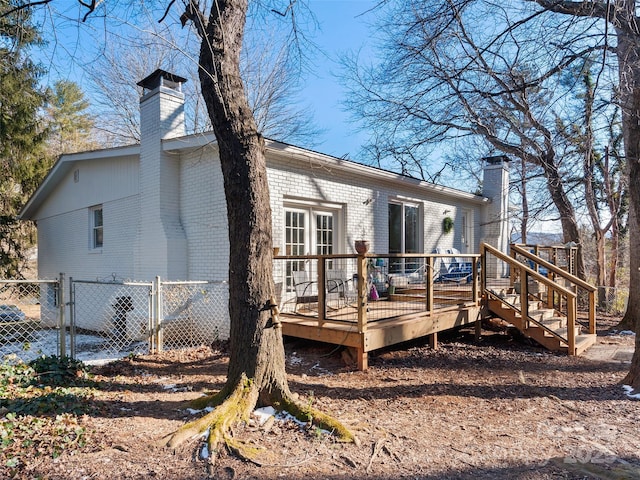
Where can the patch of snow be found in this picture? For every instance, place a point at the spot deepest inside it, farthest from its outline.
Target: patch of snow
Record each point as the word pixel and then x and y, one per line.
pixel 193 411
pixel 90 349
pixel 170 386
pixel 263 414
pixel 622 333
pixel 204 449
pixel 294 359
pixel 629 392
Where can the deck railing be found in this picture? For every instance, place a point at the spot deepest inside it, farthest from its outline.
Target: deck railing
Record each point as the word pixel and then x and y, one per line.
pixel 532 278
pixel 361 289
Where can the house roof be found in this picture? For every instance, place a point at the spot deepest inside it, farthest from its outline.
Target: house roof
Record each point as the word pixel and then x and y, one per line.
pixel 308 158
pixel 305 156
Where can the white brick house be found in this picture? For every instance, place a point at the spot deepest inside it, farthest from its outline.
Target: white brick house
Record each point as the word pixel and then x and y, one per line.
pixel 158 208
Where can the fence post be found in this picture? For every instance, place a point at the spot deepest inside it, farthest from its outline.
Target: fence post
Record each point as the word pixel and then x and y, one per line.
pixel 62 334
pixel 158 317
pixel 72 319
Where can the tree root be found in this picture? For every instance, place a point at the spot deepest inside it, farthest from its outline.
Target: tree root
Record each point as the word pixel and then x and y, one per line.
pixel 319 419
pixel 236 406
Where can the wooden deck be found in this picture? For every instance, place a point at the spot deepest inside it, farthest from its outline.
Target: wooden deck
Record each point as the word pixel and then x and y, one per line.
pixel 393 319
pixel 365 322
pixel 379 333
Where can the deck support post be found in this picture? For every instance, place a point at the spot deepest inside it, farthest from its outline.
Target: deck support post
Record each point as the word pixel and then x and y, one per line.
pixel 363 359
pixel 362 294
pixel 322 298
pixel 478 330
pixel 571 324
pixel 433 340
pixel 428 278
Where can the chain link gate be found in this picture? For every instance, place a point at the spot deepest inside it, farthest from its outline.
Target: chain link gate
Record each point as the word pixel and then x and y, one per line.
pixel 111 318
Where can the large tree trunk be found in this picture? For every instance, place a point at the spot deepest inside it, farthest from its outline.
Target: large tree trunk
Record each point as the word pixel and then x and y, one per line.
pixel 628 54
pixel 570 229
pixel 256 373
pixel 256 348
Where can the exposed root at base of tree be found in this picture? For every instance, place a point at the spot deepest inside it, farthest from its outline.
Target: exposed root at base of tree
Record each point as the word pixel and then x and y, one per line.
pixel 235 405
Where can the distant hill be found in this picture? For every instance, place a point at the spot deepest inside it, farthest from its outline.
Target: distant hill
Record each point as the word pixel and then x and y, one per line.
pixel 539 238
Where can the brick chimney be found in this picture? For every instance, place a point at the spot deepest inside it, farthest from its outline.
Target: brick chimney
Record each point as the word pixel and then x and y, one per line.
pixel 161 246
pixel 495 185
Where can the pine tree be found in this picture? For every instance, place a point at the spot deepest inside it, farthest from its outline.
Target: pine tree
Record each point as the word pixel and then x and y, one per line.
pixel 69 124
pixel 22 156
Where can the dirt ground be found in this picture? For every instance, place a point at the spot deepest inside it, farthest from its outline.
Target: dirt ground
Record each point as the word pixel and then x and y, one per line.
pixel 498 409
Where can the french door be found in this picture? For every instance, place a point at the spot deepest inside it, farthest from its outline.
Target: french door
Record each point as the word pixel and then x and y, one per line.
pixel 308 231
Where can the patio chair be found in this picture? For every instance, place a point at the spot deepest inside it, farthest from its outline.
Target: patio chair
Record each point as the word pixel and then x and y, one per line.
pixel 340 288
pixel 456 271
pixel 306 289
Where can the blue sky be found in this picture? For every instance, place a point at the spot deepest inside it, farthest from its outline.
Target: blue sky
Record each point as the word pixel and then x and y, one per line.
pixel 343 27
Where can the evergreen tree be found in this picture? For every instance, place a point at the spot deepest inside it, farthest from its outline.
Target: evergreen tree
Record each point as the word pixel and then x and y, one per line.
pixel 22 156
pixel 68 122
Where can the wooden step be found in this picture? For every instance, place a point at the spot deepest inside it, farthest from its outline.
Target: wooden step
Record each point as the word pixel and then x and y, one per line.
pixel 541 314
pixel 584 341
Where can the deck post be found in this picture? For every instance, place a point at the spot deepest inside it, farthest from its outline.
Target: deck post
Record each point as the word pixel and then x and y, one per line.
pixel 429 274
pixel 592 312
pixel 571 324
pixel 512 271
pixel 474 270
pixel 433 340
pixel 363 359
pixel 524 298
pixel 322 298
pixel 362 295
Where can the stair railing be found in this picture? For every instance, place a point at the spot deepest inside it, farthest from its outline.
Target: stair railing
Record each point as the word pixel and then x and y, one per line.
pixel 524 272
pixel 555 271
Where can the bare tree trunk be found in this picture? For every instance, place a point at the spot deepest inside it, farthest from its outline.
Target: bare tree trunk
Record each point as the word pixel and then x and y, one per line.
pixel 628 52
pixel 570 230
pixel 256 347
pixel 524 223
pixel 256 373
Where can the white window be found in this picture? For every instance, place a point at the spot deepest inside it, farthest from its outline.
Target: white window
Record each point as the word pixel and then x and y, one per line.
pixel 96 227
pixel 405 233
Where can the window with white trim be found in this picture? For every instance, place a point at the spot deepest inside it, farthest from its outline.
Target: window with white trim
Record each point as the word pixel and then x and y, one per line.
pixel 96 227
pixel 405 233
pixel 309 230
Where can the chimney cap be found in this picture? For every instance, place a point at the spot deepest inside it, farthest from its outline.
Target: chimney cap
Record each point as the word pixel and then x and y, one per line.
pixel 496 159
pixel 162 78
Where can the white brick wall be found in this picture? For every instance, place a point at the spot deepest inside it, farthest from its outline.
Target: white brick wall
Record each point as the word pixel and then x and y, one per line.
pixel 161 244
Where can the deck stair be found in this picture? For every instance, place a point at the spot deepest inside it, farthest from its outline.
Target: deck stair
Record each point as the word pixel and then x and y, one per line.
pixel 542 320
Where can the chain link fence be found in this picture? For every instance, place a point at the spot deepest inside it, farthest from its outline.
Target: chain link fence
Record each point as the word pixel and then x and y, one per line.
pixel 140 317
pixel 112 318
pixel 192 314
pixel 28 318
pixel 612 300
pixel 108 319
